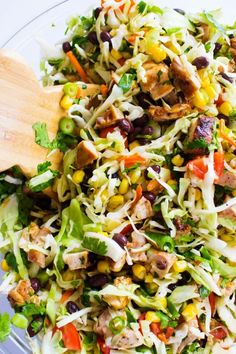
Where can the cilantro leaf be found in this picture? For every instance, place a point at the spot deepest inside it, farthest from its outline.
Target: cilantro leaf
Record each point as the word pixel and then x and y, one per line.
pixel 126 82
pixel 5 326
pixel 142 7
pixel 31 309
pixel 159 74
pixel 25 204
pixel 95 245
pixel 42 167
pixel 198 144
pixel 41 136
pixel 42 181
pixel 204 292
pixel 36 325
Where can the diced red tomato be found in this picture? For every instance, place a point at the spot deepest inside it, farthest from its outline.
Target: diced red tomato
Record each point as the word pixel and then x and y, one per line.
pixel 102 345
pixel 219 333
pixel 169 332
pixel 199 166
pixel 212 301
pixel 155 328
pixel 104 132
pixel 121 61
pixel 70 337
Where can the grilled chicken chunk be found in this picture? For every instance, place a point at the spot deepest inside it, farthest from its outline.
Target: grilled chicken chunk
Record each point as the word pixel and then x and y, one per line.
pixel 110 117
pixel 162 114
pixel 184 78
pixel 21 294
pixel 77 260
pixel 158 82
pixel 227 179
pixel 86 153
pixel 160 262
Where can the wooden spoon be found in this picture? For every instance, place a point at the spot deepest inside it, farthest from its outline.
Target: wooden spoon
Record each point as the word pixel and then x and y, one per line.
pixel 24 102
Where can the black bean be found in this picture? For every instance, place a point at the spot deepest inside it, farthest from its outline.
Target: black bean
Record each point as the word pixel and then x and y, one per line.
pixel 105 36
pixel 144 100
pixel 156 168
pixel 227 77
pixel 92 37
pixel 120 239
pixel 143 141
pixel 142 121
pixel 180 11
pixel 66 47
pixel 132 136
pixel 217 48
pixel 35 284
pixel 149 196
pixel 115 175
pixel 161 262
pixel 172 286
pixel 231 36
pixel 71 307
pixel 126 125
pixel 147 130
pixel 97 12
pixel 98 280
pixel 35 325
pixel 200 62
pixel 92 258
pixel 222 116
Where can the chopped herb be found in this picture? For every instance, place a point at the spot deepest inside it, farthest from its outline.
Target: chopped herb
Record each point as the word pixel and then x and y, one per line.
pixel 95 245
pixel 198 144
pixel 142 6
pixel 172 30
pixel 159 74
pixel 43 167
pixel 31 309
pixel 128 169
pixel 36 326
pixel 5 326
pixel 25 204
pixel 79 40
pixel 126 82
pixel 204 292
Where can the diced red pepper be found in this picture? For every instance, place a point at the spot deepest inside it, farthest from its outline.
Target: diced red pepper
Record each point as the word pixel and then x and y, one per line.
pixel 70 337
pixel 138 195
pixel 219 163
pixel 127 229
pixel 102 345
pixel 169 332
pixel 105 131
pixel 199 166
pixel 219 333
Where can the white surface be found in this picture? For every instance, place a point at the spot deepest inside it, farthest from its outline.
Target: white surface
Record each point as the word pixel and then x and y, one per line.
pixel 15 14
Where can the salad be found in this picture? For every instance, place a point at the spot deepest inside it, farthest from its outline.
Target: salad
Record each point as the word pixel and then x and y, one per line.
pixel 130 247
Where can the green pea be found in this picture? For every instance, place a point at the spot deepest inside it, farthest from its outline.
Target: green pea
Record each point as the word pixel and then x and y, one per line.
pixel 70 89
pixel 67 125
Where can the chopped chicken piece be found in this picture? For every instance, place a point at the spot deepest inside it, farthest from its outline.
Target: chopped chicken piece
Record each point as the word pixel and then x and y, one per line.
pixel 102 325
pixel 128 339
pixel 118 302
pixel 160 262
pixel 37 257
pixel 228 214
pixel 117 266
pixel 21 294
pixel 201 132
pixel 227 179
pixel 77 260
pixel 188 82
pixel 143 209
pixel 158 82
pixel 191 337
pixel 86 153
pixel 162 114
pixel 233 47
pixel 182 228
pixel 110 117
pixel 137 242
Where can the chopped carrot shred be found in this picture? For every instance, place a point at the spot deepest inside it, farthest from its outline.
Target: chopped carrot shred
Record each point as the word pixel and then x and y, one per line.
pixel 224 135
pixel 129 161
pixel 104 90
pixel 65 296
pixel 77 66
pixel 138 194
pixel 152 185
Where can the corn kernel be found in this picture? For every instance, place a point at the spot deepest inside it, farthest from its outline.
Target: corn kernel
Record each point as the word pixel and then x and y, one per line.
pixel 226 109
pixel 180 266
pixel 229 156
pixel 200 99
pixel 211 92
pixel 66 102
pixel 163 301
pixel 190 312
pixel 158 53
pixel 198 194
pixel 5 267
pixel 78 176
pixel 116 55
pixel 226 238
pixel 152 287
pixel 134 175
pixel 205 82
pixel 152 316
pixel 148 278
pixel 103 267
pixel 115 202
pixel 124 186
pixel 104 195
pixel 139 271
pixel 172 182
pixel 172 47
pixel 203 74
pixel 234 192
pixel 68 275
pixel 110 225
pixel 177 160
pixel 134 144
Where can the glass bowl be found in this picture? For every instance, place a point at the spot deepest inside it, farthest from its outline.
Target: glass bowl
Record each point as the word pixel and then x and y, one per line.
pixel 50 25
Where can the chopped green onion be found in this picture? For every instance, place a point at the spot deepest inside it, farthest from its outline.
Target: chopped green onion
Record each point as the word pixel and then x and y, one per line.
pixel 71 89
pixel 20 321
pixel 117 324
pixel 67 125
